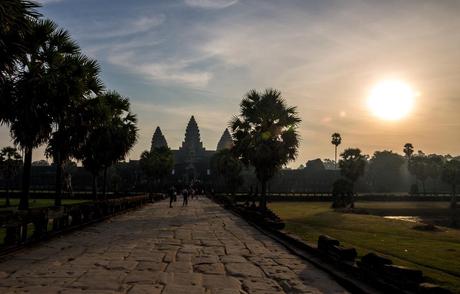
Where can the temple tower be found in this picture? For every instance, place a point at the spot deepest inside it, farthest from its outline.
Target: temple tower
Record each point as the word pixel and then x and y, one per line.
pixel 158 140
pixel 192 142
pixel 225 142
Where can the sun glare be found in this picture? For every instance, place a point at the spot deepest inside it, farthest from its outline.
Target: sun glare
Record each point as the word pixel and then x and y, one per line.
pixel 391 100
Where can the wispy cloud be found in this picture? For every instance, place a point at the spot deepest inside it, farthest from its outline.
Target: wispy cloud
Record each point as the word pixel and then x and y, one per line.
pixel 100 29
pixel 48 1
pixel 212 4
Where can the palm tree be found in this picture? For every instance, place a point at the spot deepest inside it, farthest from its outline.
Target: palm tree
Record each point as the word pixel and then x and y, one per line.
pixel 229 167
pixel 10 162
pixel 75 80
pixel 352 167
pixel 336 141
pixel 112 133
pixel 15 17
pixel 408 150
pixel 28 111
pixel 265 134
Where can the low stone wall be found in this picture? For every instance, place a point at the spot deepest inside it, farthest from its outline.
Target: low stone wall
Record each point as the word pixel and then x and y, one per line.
pixel 35 224
pixel 324 197
pixel 79 195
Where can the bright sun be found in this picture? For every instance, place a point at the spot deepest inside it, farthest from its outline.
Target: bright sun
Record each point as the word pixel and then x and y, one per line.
pixel 391 100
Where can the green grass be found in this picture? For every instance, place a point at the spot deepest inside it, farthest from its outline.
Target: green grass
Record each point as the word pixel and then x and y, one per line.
pixel 436 253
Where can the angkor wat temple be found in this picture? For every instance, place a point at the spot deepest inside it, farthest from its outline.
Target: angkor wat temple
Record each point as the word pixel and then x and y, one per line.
pixel 191 160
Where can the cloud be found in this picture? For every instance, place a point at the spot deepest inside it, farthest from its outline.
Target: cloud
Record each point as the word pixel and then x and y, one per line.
pixel 116 28
pixel 48 1
pixel 175 71
pixel 211 4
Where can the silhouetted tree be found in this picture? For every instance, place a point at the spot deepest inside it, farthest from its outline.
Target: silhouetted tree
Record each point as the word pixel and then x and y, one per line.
pixel 352 166
pixel 75 79
pixel 408 150
pixel 419 166
pixel 15 17
pixel 111 135
pixel 384 170
pixel 28 111
pixel 265 134
pixel 329 163
pixel 315 165
pixel 229 167
pixel 10 162
pixel 336 140
pixel 451 176
pixel 436 163
pixel 156 164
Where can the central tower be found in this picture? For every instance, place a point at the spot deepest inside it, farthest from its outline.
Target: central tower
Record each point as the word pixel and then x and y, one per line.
pixel 192 142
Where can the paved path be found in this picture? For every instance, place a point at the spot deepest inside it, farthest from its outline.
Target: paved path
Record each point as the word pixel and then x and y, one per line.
pixel 198 249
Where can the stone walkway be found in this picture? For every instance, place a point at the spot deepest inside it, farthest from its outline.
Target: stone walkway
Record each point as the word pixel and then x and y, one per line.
pixel 198 249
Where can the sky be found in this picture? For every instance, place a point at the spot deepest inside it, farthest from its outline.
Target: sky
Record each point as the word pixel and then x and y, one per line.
pixel 178 58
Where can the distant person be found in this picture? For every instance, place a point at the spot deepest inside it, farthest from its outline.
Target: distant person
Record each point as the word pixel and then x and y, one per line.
pixel 185 197
pixel 192 192
pixel 172 195
pixel 68 183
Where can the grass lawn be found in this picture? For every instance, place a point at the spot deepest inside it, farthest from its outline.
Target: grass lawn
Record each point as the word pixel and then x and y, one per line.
pixel 436 253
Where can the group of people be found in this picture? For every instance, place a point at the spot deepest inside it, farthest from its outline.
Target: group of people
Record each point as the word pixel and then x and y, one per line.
pixel 186 193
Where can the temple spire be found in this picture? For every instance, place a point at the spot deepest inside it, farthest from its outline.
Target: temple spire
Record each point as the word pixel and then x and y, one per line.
pixel 158 140
pixel 225 142
pixel 192 139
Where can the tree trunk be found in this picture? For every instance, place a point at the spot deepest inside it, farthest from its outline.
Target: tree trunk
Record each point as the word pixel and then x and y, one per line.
pixel 24 201
pixel 59 172
pixel 94 186
pixel 104 186
pixel 335 161
pixel 263 195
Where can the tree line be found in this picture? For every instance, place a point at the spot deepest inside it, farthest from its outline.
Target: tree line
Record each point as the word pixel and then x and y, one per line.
pixel 51 93
pixel 353 164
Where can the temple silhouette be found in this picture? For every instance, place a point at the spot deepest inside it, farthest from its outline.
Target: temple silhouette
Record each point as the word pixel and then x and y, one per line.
pixel 191 161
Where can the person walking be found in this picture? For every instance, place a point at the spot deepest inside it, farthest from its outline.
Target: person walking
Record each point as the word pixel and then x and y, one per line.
pixel 172 195
pixel 185 197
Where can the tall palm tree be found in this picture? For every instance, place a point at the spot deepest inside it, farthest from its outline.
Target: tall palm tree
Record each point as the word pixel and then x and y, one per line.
pixel 408 150
pixel 75 80
pixel 265 134
pixel 336 140
pixel 10 162
pixel 27 111
pixel 112 134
